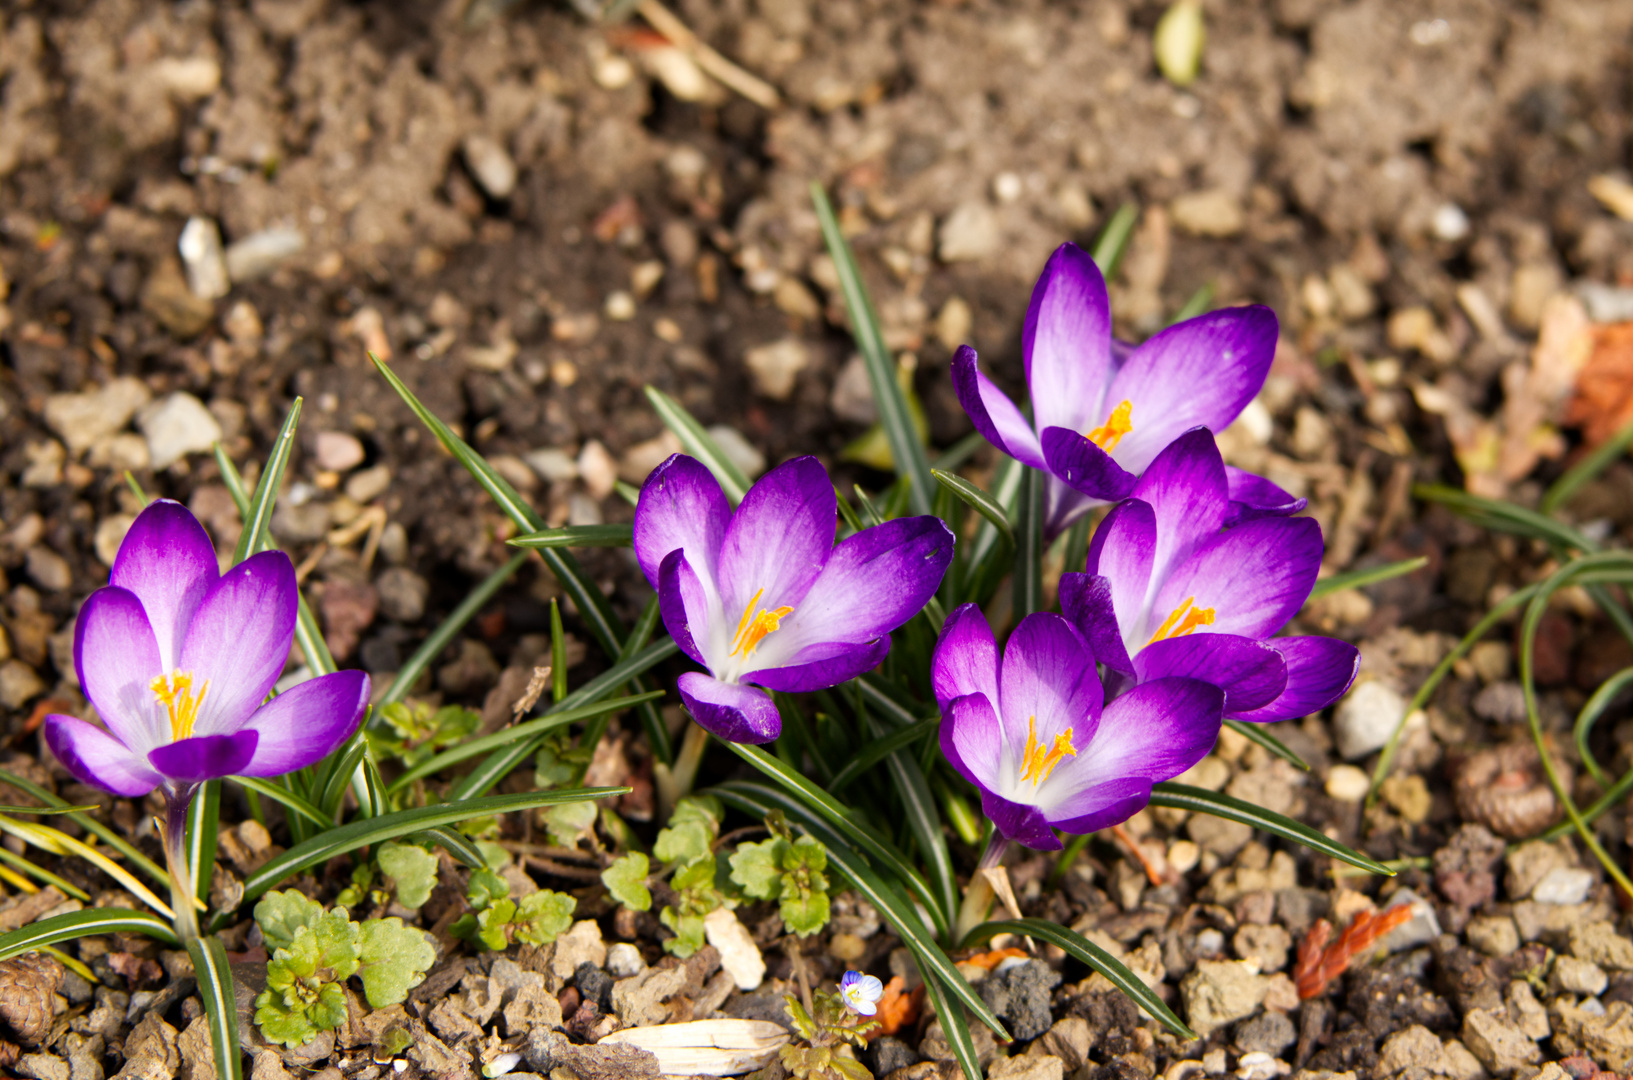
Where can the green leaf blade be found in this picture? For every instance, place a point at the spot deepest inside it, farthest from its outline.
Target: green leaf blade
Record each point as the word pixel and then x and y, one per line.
pixel 1202 801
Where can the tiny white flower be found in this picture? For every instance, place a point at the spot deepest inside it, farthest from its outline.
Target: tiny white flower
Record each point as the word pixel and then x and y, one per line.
pixel 861 993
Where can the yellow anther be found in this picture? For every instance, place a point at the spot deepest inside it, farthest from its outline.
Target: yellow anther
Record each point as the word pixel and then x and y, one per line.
pixel 1036 762
pixel 1118 424
pixel 755 625
pixel 1182 620
pixel 175 693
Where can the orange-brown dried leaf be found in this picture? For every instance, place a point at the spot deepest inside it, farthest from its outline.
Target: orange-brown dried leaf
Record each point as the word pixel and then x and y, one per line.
pixel 990 960
pixel 1320 963
pixel 898 1007
pixel 1603 399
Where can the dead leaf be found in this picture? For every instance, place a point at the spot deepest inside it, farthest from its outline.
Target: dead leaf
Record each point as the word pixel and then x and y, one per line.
pixel 1603 401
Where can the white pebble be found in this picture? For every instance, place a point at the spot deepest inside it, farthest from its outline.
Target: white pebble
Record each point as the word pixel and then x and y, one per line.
pixel 201 254
pixel 620 306
pixel 1563 885
pixel 1366 718
pixel 624 960
pixel 1006 187
pixel 1346 783
pixel 177 426
pixel 1450 223
pixel 739 956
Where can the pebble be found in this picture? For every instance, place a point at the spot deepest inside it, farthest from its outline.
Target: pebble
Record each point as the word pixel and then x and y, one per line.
pixel 887 1054
pixel 83 420
pixel 49 570
pixel 1027 1067
pixel 553 465
pixel 1366 718
pixel 394 543
pixel 491 164
pixel 775 366
pixel 1599 943
pixel 738 450
pixel 792 298
pixel 1497 1042
pixel 969 232
pixel 1266 944
pixel 1269 1034
pixel 1346 783
pixel 166 297
pixel 260 253
pixel 624 960
pixel 597 469
pixel 1214 212
pixel 739 956
pixel 1259 1065
pixel 1219 992
pixel 852 395
pixel 580 945
pixel 1020 996
pixel 1070 1040
pixel 1415 1048
pixel 1494 935
pixel 203 259
pixel 337 451
pixel 1603 1032
pixel 1606 303
pixel 1450 223
pixel 41 1067
pixel 1564 885
pixel 1529 863
pixel 177 426
pixel 1183 855
pixel 369 484
pixel 1580 977
pixel 954 322
pixel 619 306
pixel 300 524
pixel 242 324
pixel 18 684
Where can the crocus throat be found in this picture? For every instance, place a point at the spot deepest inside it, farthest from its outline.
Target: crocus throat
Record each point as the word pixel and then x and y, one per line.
pixel 755 625
pixel 1182 620
pixel 175 693
pixel 1036 762
pixel 1118 424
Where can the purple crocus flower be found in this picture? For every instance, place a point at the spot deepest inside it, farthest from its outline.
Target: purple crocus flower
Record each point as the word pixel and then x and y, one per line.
pixel 1181 582
pixel 178 658
pixel 1102 412
pixel 763 596
pixel 1034 732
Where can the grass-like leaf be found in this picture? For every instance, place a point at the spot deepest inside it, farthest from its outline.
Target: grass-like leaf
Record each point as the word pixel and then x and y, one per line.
pixel 448 629
pixel 700 444
pixel 1256 733
pixel 257 515
pixel 78 924
pixel 42 874
pixel 455 843
pixel 1504 516
pixel 1202 801
pixel 288 799
pixel 761 799
pixel 925 822
pixel 912 464
pixel 60 843
pixel 877 749
pixel 1112 243
pixel 1601 700
pixel 955 1027
pixel 214 976
pixel 377 830
pixel 570 536
pixel 1198 304
pixel 1371 575
pixel 1027 595
pixel 1559 493
pixel 978 500
pixel 57 805
pixel 202 816
pixel 1093 955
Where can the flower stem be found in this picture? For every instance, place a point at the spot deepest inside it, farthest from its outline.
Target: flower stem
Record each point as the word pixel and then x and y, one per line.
pixel 978 895
pixel 176 802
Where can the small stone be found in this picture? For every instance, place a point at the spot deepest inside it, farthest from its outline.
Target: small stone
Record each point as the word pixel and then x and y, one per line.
pixel 739 956
pixel 1420 929
pixel 1366 718
pixel 403 594
pixel 49 570
pixel 1019 994
pixel 167 298
pixel 491 164
pixel 1027 1067
pixel 1214 212
pixel 1526 1011
pixel 83 420
pixel 1598 943
pixel 300 523
pixel 336 451
pixel 619 306
pixel 624 960
pixel 260 253
pixel 1529 863
pixel 1259 1065
pixel 18 684
pixel 774 367
pixel 846 948
pixel 1450 223
pixel 1346 783
pixel 887 1054
pixel 242 324
pixel 203 259
pixel 1219 992
pixel 1266 944
pixel 110 533
pixel 793 298
pixel 852 396
pixel 594 985
pixel 582 944
pixel 41 1067
pixel 934 1044
pixel 1414 1048
pixel 1269 1034
pixel 738 450
pixel 1070 1040
pixel 1564 885
pixel 1497 1042
pixel 1460 1063
pixel 970 232
pixel 177 426
pixel 1408 796
pixel 1602 1032
pixel 553 465
pixel 1494 935
pixel 368 484
pixel 597 469
pixel 1580 977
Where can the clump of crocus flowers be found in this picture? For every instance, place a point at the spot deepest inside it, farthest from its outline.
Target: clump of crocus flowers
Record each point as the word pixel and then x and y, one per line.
pixel 177 659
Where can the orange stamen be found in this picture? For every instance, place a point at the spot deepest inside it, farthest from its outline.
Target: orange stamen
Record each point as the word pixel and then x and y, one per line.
pixel 755 625
pixel 1182 620
pixel 1036 762
pixel 175 693
pixel 1118 424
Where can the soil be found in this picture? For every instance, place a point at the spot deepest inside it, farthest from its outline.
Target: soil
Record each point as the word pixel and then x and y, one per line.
pixel 532 216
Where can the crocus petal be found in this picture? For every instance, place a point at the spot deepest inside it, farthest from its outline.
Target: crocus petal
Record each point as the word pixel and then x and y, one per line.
pixel 1048 678
pixel 1255 577
pixel 1153 732
pixel 206 757
pixel 991 411
pixel 1122 550
pixel 683 605
pixel 167 560
pixel 681 507
pixel 1067 341
pixel 779 539
pixel 1186 489
pixel 1026 825
pixel 239 639
pixel 733 712
pixel 1250 672
pixel 117 658
pixel 1083 466
pixel 1319 670
pixel 94 757
pixel 1085 600
pixel 1254 497
pixel 305 723
pixel 966 657
pixel 1108 804
pixel 822 666
pixel 874 582
pixel 972 739
pixel 1201 372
